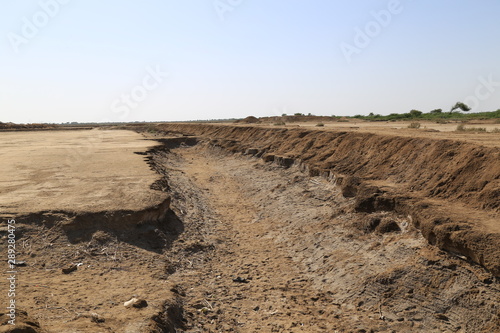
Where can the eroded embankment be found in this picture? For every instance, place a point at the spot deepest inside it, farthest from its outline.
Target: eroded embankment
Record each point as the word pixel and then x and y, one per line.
pixel 450 189
pixel 77 268
pixel 146 228
pixel 288 253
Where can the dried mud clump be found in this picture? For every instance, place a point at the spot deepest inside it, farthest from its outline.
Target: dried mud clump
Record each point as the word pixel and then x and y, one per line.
pixel 370 199
pixel 23 323
pixel 377 223
pixel 349 186
pixel 171 320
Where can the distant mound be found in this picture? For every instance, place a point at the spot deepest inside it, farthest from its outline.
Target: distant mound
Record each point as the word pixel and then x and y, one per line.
pixel 248 120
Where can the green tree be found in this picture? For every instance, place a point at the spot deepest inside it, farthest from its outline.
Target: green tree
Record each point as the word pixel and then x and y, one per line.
pixel 415 113
pixel 459 105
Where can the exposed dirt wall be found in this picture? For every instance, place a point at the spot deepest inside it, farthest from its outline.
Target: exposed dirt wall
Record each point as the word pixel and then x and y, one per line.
pixel 450 189
pixel 443 169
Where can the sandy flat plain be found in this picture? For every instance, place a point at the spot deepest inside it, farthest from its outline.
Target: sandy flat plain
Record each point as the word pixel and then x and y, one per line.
pixel 86 170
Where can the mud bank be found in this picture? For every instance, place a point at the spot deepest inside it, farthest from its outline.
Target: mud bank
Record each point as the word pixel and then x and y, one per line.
pixel 449 189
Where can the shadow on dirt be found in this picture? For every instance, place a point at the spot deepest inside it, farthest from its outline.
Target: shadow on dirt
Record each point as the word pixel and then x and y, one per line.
pixel 153 229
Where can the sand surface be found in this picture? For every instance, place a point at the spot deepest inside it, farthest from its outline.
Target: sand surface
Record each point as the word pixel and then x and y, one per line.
pixel 87 170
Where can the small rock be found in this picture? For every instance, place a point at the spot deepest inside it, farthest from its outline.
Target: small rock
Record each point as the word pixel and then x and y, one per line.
pixel 20 263
pixel 136 303
pixel 240 280
pixel 70 269
pixel 95 318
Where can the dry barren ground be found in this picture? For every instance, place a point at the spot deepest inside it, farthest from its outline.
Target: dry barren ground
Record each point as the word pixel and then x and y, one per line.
pixel 428 129
pixel 74 171
pixel 249 244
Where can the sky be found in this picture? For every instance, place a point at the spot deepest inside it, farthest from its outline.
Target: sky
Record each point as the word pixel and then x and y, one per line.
pixel 173 60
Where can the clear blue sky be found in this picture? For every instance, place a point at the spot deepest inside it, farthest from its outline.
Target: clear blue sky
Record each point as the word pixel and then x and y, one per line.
pixel 88 60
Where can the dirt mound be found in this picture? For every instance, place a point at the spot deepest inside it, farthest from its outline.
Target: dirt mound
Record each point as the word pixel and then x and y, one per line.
pixel 248 120
pixel 438 182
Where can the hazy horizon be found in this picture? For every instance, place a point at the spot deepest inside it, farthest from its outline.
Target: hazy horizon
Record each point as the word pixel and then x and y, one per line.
pixel 84 61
